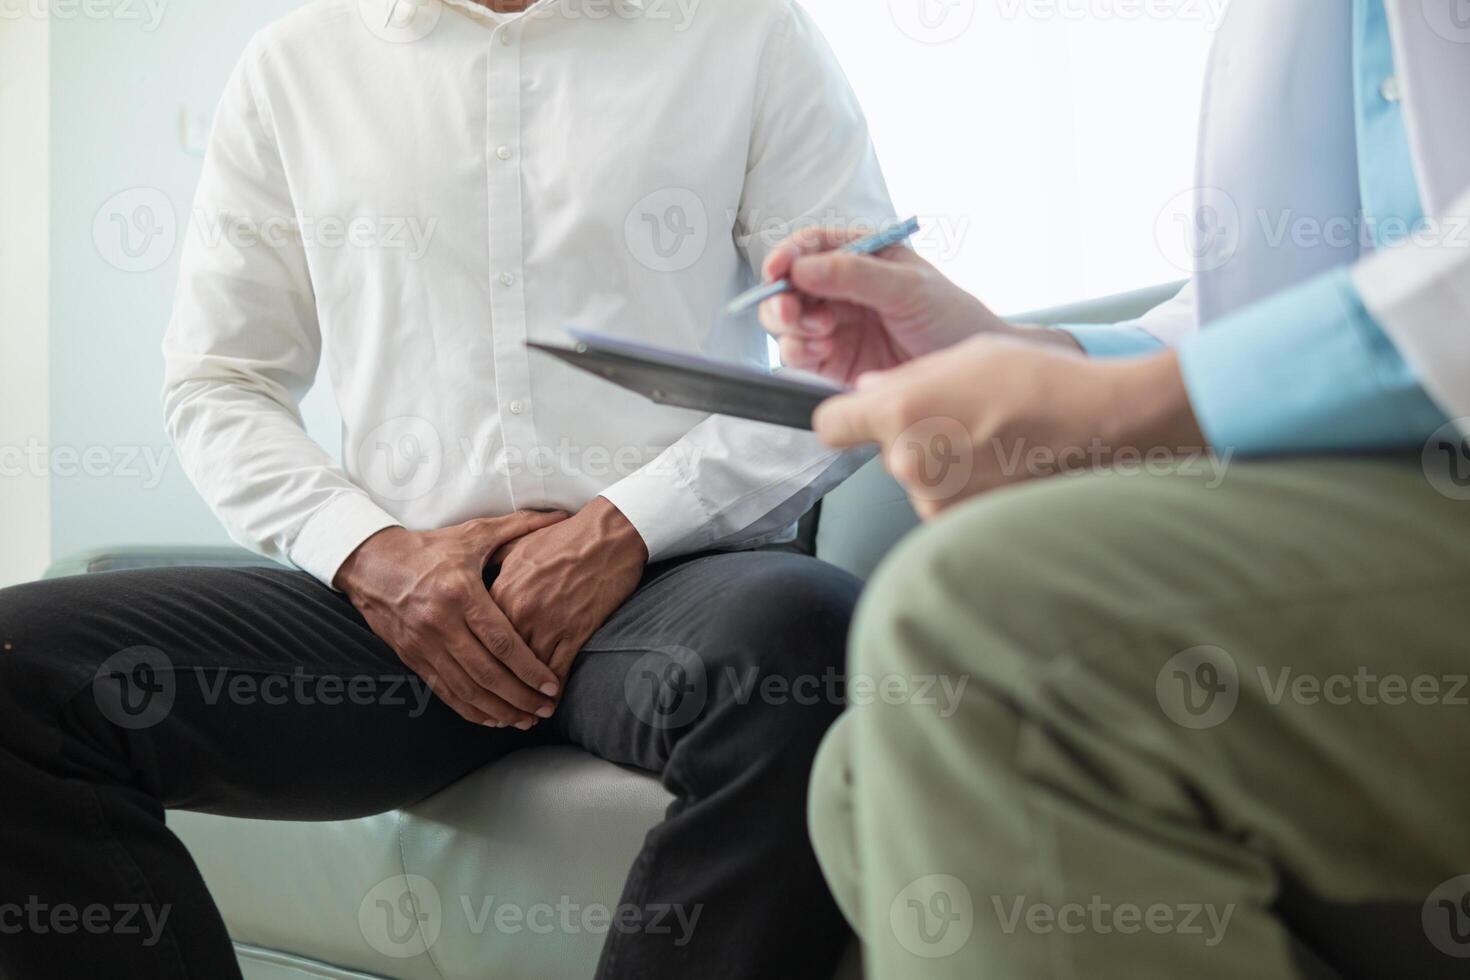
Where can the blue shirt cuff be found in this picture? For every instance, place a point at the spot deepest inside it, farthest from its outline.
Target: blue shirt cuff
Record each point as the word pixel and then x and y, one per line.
pixel 1307 370
pixel 1113 340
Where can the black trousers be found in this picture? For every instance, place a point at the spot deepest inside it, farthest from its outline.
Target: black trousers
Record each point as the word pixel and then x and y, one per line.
pixel 261 693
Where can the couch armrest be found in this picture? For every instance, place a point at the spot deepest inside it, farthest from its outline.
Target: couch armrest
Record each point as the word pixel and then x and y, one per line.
pixel 1119 308
pixel 154 556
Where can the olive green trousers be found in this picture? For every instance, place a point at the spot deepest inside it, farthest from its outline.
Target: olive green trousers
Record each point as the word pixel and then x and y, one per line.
pixel 1168 725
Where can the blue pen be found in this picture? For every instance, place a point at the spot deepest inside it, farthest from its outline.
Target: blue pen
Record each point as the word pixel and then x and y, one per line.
pixel 867 246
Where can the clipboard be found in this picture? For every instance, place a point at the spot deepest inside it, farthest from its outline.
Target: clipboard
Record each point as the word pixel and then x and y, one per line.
pixel 683 380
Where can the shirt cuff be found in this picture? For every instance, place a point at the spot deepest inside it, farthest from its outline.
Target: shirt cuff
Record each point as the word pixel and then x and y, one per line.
pixel 1113 340
pixel 334 532
pixel 665 509
pixel 1306 370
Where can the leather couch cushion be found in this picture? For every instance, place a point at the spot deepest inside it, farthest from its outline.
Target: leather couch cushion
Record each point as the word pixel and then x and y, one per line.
pixel 507 873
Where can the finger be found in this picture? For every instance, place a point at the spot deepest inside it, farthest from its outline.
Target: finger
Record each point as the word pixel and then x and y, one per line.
pixel 810 356
pixel 873 380
pixel 819 319
pixel 563 657
pixel 793 353
pixel 492 676
pixel 460 707
pixel 500 639
pixel 809 241
pixel 917 374
pixel 816 356
pixel 496 531
pixel 781 315
pixel 846 421
pixel 468 698
pixel 778 263
pixel 926 509
pixel 877 283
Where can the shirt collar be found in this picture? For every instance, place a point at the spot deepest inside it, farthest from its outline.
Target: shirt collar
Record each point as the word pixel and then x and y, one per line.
pixel 541 5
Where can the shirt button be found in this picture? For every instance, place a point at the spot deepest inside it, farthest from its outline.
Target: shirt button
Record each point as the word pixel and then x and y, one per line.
pixel 403 13
pixel 506 279
pixel 504 153
pixel 506 39
pixel 517 407
pixel 1390 89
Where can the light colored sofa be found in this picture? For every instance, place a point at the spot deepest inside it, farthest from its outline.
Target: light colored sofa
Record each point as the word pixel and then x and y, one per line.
pixel 550 827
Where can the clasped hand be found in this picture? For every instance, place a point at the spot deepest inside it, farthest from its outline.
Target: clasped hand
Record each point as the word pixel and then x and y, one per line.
pixel 498 656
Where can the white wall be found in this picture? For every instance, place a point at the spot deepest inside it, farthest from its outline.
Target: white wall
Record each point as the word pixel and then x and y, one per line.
pixel 25 510
pixel 133 87
pixel 1041 139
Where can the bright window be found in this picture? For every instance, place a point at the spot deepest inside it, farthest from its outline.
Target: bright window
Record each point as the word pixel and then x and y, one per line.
pixel 1043 141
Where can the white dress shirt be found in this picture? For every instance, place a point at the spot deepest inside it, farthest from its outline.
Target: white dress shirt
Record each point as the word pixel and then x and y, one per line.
pixel 417 196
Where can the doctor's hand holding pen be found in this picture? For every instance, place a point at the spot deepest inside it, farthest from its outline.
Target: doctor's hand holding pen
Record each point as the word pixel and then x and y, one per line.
pixel 934 369
pixel 850 314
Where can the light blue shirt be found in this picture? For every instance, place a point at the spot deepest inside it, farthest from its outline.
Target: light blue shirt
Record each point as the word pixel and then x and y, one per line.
pixel 1309 369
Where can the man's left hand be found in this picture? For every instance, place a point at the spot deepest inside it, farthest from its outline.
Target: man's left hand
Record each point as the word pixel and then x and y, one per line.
pixel 558 585
pixel 990 412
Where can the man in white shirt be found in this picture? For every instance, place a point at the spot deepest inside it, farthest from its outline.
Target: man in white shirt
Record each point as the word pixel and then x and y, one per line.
pixel 417 189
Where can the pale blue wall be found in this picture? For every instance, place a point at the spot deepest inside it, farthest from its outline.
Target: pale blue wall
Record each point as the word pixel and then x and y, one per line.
pixel 117 93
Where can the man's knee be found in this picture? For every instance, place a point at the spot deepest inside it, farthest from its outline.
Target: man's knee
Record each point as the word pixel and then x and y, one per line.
pixel 922 608
pixel 42 668
pixel 1041 566
pixel 778 656
pixel 40 638
pixel 75 667
pixel 789 616
pixel 829 817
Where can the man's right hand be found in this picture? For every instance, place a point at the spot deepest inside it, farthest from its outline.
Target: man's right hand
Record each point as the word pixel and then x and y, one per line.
pixel 854 314
pixel 423 593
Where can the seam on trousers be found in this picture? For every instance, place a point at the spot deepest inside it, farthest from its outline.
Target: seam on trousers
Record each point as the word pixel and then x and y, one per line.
pixel 612 945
